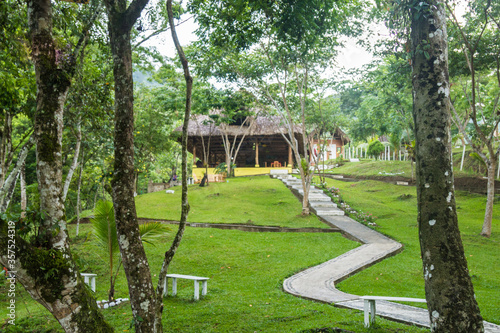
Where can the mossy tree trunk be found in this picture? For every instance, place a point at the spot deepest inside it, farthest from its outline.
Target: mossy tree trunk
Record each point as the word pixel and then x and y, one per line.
pixel 449 291
pixel 44 266
pixel 143 298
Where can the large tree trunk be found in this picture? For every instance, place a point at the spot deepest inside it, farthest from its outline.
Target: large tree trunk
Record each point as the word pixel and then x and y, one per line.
pixel 142 294
pixel 45 266
pixel 448 288
pixel 490 198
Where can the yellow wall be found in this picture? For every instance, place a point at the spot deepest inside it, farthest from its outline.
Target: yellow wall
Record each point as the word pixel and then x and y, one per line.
pixel 199 172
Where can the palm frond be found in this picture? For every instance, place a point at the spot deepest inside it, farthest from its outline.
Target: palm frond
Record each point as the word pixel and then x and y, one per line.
pixel 104 226
pixel 151 231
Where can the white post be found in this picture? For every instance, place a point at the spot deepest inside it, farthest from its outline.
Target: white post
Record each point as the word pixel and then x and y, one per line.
pixel 389 153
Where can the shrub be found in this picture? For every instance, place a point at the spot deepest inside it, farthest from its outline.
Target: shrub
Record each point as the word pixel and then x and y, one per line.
pixel 375 148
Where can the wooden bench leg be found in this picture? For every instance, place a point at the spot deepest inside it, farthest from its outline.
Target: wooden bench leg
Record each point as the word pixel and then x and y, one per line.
pixel 196 290
pixel 92 283
pixel 174 286
pixel 369 312
pixel 204 287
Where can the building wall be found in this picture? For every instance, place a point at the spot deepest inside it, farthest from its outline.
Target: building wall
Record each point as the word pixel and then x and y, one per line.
pixel 238 172
pixel 334 147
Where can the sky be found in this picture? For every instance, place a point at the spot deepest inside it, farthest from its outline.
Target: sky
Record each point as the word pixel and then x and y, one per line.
pixel 351 56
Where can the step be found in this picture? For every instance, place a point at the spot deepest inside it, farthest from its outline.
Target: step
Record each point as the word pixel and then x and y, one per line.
pixel 329 211
pixel 322 204
pixel 312 190
pixel 322 199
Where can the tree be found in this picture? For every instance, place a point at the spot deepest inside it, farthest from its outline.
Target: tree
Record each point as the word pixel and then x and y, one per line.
pixel 480 40
pixel 269 54
pixel 448 287
pixel 147 305
pixel 43 261
pixel 143 300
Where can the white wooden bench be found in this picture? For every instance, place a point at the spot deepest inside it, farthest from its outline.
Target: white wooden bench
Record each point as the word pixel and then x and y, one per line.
pixel 89 279
pixel 370 308
pixel 197 279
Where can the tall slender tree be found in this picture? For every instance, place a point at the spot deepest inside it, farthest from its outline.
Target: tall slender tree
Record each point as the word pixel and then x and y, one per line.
pixel 121 18
pixel 448 287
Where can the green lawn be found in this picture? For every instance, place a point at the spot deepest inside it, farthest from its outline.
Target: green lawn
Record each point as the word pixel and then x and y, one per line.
pixel 247 269
pixel 372 168
pixel 401 275
pixel 253 200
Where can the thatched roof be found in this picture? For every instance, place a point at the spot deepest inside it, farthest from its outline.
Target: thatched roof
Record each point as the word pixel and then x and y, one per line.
pixel 201 125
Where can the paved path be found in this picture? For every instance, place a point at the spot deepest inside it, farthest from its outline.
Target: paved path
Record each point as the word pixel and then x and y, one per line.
pixel 318 282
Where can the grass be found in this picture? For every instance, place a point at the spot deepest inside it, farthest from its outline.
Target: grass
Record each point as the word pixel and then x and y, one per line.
pixel 247 269
pixel 372 168
pixel 245 294
pixel 401 275
pixel 252 200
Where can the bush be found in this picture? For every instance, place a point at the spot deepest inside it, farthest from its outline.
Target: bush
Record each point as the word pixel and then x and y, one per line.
pixel 375 148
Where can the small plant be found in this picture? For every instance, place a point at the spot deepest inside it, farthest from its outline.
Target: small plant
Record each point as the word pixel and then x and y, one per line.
pixel 104 229
pixel 405 196
pixel 365 218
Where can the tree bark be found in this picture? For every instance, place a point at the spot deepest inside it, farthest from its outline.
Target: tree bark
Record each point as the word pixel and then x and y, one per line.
pixel 74 164
pixel 448 287
pixel 490 198
pixel 6 148
pixel 24 201
pixel 7 189
pixel 78 194
pixel 142 294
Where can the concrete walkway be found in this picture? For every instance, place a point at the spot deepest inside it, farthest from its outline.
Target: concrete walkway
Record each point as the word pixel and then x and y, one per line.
pixel 318 282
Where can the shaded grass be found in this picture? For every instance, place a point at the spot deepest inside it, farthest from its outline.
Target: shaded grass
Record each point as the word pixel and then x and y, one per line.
pixel 402 275
pixel 256 200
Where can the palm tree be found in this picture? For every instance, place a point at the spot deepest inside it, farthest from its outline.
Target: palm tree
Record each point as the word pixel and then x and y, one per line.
pixel 104 231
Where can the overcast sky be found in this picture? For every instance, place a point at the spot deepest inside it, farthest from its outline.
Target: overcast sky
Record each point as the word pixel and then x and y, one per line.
pixel 352 56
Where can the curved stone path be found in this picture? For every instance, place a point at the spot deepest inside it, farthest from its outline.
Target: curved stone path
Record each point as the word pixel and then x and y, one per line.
pixel 318 282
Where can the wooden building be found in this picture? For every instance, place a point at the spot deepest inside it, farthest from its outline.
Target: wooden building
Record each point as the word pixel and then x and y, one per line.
pixel 262 148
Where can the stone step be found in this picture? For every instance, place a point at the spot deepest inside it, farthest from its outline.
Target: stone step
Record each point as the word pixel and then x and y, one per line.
pixel 329 211
pixel 322 204
pixel 323 198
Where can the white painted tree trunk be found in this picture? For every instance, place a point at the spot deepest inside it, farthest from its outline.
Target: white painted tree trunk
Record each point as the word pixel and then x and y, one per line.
pixel 74 164
pixel 463 156
pixel 24 201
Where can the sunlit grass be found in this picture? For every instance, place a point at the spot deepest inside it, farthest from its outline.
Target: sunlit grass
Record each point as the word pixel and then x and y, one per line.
pixel 402 275
pixel 256 200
